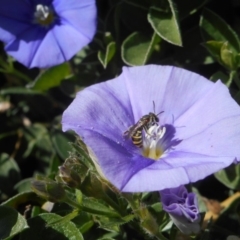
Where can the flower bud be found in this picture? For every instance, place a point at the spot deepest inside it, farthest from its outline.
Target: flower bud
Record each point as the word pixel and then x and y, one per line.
pixel 69 176
pixel 182 208
pixel 49 189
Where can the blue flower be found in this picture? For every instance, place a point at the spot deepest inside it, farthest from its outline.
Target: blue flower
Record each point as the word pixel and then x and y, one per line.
pixel 182 208
pixel 43 33
pixel 197 134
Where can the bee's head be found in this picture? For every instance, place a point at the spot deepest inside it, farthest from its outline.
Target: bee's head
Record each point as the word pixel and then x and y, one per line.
pixel 154 117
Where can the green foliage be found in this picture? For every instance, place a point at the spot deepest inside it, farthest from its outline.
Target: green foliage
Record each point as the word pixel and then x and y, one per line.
pixel 230 177
pixel 51 77
pixel 106 56
pixel 221 41
pixel 137 48
pixel 38 230
pixel 9 174
pixel 165 24
pixel 11 222
pixel 215 28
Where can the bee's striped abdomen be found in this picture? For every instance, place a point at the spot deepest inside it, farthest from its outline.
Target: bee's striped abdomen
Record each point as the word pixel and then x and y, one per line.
pixel 137 138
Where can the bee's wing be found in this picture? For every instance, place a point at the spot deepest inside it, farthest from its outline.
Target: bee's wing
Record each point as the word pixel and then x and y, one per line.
pixel 130 132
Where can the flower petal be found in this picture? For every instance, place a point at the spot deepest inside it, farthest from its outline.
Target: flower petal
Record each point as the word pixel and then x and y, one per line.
pixel 84 113
pixel 108 109
pixel 176 169
pixel 68 40
pixel 117 163
pixel 16 9
pixel 215 106
pixel 10 28
pixel 62 43
pixel 219 139
pixel 24 50
pixel 166 86
pixel 14 20
pixel 63 5
pixel 37 46
pixel 83 20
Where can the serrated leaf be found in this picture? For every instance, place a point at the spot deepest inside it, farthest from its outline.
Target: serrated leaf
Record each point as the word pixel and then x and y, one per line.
pixel 230 176
pixel 42 228
pixel 165 24
pixel 215 28
pixel 11 222
pixel 50 78
pixel 105 57
pixel 137 48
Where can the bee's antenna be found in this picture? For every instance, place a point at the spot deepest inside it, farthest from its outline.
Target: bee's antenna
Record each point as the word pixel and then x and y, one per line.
pixel 153 106
pixel 160 113
pixel 155 109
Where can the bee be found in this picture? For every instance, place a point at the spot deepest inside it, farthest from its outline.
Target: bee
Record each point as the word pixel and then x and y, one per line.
pixel 145 122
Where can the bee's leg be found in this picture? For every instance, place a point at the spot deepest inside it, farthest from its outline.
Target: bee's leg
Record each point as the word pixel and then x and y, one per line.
pixel 146 130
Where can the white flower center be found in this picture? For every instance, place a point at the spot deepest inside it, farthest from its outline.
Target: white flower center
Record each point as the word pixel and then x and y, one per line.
pixel 151 142
pixel 43 15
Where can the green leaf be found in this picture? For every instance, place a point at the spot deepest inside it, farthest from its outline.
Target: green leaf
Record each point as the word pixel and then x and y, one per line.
pixel 161 216
pixel 137 48
pixel 84 157
pixel 188 7
pixel 19 90
pixel 38 139
pixel 11 222
pixel 50 78
pixel 105 57
pixel 223 53
pixel 230 176
pixel 215 28
pixel 66 218
pixel 221 76
pixel 111 223
pixel 24 185
pixel 228 57
pixel 79 196
pixel 97 208
pixel 9 174
pixel 165 24
pixel 214 47
pixel 23 198
pixel 61 143
pixel 83 221
pixel 38 229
